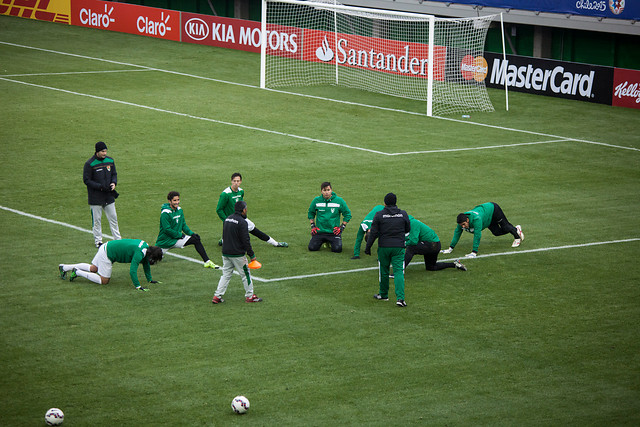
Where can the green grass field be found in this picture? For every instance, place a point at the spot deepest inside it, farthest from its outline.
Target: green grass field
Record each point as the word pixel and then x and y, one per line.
pixel 546 334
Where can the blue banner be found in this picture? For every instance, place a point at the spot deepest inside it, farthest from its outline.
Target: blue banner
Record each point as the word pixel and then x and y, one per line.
pixel 618 9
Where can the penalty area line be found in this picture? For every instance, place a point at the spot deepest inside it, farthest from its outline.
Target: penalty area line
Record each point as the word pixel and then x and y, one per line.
pixel 74 227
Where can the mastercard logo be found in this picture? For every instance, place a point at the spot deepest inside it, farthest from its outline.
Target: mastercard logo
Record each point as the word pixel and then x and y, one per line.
pixel 474 68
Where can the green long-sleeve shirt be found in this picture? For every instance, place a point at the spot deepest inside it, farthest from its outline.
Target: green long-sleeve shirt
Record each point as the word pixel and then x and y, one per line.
pixel 227 202
pixel 479 219
pixel 132 251
pixel 172 225
pixel 327 212
pixel 364 226
pixel 420 232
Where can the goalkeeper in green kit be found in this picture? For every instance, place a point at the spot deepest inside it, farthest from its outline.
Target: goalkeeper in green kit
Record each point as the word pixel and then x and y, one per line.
pixel 324 217
pixel 487 215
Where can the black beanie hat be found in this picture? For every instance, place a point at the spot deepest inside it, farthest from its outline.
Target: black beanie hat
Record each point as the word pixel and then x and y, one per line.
pixel 240 205
pixel 100 146
pixel 390 199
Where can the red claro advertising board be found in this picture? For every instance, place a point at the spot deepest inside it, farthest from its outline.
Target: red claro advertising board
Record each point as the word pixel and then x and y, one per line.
pixel 626 88
pixel 126 18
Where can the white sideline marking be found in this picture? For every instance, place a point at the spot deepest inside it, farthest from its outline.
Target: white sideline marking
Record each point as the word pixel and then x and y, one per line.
pixel 72 72
pixel 64 224
pixel 303 95
pixel 331 273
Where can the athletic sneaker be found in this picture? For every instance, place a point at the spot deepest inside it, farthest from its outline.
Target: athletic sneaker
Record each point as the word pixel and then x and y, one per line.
pixel 217 300
pixel 459 265
pixel 211 264
pixel 220 242
pixel 520 233
pixel 72 275
pixel 355 257
pixel 140 288
pixel 282 245
pixel 253 298
pixel 401 303
pixel 63 274
pixel 380 298
pixel 516 243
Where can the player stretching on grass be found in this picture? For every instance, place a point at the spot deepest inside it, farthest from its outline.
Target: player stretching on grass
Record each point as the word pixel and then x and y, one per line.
pixel 133 251
pixel 422 240
pixel 226 205
pixel 324 216
pixel 487 215
pixel 174 232
pixel 365 225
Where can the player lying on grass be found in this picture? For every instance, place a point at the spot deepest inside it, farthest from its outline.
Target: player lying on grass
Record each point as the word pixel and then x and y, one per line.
pixel 133 251
pixel 174 232
pixel 487 215
pixel 422 240
pixel 226 205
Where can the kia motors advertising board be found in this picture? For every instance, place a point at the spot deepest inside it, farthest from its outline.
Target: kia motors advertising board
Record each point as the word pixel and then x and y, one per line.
pixel 126 18
pixel 230 33
pixel 561 79
pixel 626 88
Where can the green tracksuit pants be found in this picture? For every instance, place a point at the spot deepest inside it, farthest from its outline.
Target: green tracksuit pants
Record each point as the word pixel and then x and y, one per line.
pixel 391 257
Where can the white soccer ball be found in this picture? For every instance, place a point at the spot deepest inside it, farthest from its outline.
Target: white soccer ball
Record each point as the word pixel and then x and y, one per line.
pixel 240 405
pixel 54 417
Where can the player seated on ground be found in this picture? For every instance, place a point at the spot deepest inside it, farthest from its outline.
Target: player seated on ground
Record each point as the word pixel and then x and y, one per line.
pixel 324 217
pixel 226 205
pixel 133 251
pixel 422 240
pixel 487 215
pixel 174 232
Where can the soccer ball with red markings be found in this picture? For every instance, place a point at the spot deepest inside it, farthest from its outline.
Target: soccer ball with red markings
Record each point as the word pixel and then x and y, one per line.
pixel 240 405
pixel 54 417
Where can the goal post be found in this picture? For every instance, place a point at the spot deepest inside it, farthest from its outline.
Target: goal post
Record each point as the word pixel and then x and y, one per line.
pixel 403 54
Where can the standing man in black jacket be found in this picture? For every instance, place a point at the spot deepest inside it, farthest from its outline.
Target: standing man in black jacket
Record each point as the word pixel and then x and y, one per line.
pixel 101 178
pixel 235 243
pixel 390 226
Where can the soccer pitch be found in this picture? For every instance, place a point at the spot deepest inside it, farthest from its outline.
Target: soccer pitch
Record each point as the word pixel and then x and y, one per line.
pixel 545 334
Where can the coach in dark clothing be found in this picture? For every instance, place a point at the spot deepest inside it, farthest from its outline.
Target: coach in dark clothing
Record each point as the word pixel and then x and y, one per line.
pixel 390 227
pixel 101 178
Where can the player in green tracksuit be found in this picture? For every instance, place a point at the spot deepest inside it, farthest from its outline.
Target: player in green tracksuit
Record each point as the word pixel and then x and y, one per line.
pixel 422 240
pixel 487 215
pixel 365 225
pixel 127 251
pixel 324 215
pixel 174 232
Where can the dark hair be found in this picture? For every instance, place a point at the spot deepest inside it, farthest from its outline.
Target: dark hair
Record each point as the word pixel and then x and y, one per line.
pixel 240 206
pixel 154 254
pixel 233 175
pixel 462 218
pixel 172 194
pixel 390 199
pixel 325 185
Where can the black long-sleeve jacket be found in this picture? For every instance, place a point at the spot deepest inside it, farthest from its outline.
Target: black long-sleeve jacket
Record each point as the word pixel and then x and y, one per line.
pixel 235 237
pixel 98 174
pixel 390 225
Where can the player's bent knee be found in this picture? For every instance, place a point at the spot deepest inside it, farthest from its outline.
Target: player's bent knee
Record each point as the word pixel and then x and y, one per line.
pixel 104 280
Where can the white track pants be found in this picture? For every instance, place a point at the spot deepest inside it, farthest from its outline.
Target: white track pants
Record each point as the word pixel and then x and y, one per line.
pixel 112 217
pixel 239 264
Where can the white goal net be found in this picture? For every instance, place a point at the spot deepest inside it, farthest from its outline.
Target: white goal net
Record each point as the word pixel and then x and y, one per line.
pixel 421 57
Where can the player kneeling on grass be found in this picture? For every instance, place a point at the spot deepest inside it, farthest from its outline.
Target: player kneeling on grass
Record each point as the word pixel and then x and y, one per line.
pixel 235 244
pixel 422 240
pixel 133 251
pixel 324 217
pixel 174 232
pixel 487 215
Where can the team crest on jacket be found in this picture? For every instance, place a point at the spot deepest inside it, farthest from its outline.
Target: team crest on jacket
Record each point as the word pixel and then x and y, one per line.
pixel 616 6
pixel 109 168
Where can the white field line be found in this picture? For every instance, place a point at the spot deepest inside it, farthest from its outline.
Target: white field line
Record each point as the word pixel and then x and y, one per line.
pixel 64 224
pixel 331 273
pixel 555 137
pixel 72 73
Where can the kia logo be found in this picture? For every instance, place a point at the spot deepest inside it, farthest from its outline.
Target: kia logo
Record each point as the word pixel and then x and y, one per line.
pixel 196 28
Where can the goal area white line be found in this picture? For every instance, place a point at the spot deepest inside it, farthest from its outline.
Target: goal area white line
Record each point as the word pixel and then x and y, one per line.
pixel 466 122
pixel 332 273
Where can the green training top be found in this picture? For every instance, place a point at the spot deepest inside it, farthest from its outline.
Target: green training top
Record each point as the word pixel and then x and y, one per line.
pixel 479 219
pixel 327 212
pixel 227 202
pixel 132 251
pixel 364 226
pixel 172 225
pixel 420 232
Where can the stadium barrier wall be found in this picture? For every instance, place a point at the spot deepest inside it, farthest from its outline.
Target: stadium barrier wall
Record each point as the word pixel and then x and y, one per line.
pixel 591 83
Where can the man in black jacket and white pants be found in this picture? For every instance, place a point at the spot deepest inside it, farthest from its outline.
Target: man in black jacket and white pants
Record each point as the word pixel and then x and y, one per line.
pixel 390 226
pixel 235 243
pixel 101 178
